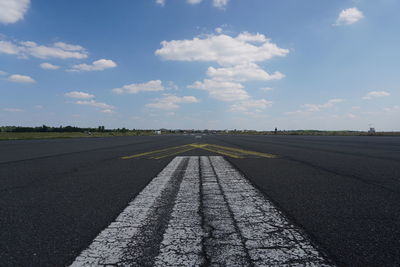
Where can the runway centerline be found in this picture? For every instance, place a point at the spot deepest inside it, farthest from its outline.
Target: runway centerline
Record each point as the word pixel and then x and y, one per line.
pixel 217 217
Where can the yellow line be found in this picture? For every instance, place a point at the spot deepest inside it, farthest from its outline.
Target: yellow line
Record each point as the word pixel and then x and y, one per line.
pixel 222 152
pixel 152 152
pixel 242 151
pixel 198 145
pixel 168 155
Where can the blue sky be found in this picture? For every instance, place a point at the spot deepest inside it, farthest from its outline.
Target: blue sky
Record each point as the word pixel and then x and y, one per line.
pixel 216 64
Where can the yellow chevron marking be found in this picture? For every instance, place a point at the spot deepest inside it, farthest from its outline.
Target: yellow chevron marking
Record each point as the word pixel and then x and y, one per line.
pixel 223 150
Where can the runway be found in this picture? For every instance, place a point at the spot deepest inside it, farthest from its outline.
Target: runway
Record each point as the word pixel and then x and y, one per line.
pixel 340 193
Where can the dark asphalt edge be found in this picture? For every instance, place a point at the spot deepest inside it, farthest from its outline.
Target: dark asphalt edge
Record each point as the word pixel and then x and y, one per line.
pixel 314 149
pixel 70 153
pixel 351 176
pixel 322 150
pixel 313 240
pixel 83 247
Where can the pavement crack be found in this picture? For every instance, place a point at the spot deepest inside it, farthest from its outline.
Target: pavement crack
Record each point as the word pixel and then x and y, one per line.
pixel 241 237
pixel 143 250
pixel 204 225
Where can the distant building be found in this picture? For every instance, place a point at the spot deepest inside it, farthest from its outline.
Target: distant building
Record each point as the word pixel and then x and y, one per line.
pixel 371 130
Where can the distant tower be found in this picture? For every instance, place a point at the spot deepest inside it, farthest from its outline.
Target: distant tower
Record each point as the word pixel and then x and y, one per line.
pixel 371 129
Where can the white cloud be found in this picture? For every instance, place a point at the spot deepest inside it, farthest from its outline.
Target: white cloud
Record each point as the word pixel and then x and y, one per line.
pixel 220 3
pixel 226 50
pixel 12 11
pixel 150 86
pixel 219 30
pixel 242 73
pixel 251 105
pixel 307 108
pixel 17 78
pixel 8 48
pixel 68 47
pixel 349 16
pixel 96 104
pixel 2 73
pixel 13 110
pixel 160 2
pixel 351 116
pixel 216 3
pixel 375 94
pixel 49 66
pixel 79 95
pixel 266 89
pixel 97 65
pixel 169 102
pixel 222 90
pixel 28 48
pixel 107 111
pixel 194 2
pixel 318 107
pixel 392 109
pixel 237 56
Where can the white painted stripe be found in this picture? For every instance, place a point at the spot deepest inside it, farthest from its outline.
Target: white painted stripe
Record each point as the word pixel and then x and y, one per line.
pixel 196 212
pixel 271 240
pixel 182 241
pixel 223 245
pixel 110 245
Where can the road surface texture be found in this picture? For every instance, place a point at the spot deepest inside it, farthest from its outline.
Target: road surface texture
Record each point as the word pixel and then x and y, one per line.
pixel 336 198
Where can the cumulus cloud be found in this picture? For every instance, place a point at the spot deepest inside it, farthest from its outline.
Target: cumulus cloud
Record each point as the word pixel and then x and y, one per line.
pixel 96 104
pixel 87 100
pixel 375 94
pixel 18 78
pixel 349 16
pixel 49 66
pixel 216 3
pixel 160 2
pixel 251 105
pixel 79 95
pixel 219 30
pixel 13 110
pixel 169 102
pixel 266 89
pixel 97 65
pixel 318 107
pixel 222 90
pixel 242 73
pixel 220 3
pixel 31 49
pixel 194 2
pixel 307 108
pixel 237 56
pixel 223 49
pixel 12 11
pixel 135 88
pixel 392 109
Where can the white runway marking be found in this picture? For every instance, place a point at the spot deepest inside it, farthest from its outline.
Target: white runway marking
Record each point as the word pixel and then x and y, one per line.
pixel 200 211
pixel 110 245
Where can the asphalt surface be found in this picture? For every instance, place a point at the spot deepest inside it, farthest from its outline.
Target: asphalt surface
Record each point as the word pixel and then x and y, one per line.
pixel 57 195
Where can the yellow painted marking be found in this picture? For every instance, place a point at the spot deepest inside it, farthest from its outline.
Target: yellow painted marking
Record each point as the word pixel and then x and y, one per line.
pixel 242 151
pixel 175 153
pixel 223 153
pixel 152 152
pixel 224 150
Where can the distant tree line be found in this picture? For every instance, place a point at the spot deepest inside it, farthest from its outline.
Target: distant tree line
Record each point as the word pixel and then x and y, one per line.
pixel 62 129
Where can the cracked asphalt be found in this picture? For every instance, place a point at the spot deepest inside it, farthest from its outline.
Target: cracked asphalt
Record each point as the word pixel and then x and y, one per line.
pixel 342 193
pixel 226 223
